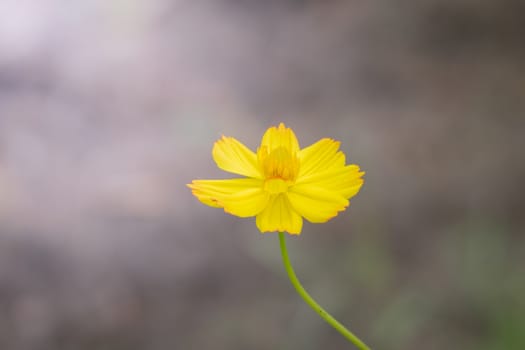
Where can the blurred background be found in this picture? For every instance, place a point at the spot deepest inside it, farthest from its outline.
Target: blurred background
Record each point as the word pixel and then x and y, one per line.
pixel 108 108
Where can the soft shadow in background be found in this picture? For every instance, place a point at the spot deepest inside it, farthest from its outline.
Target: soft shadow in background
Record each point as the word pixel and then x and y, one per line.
pixel 108 108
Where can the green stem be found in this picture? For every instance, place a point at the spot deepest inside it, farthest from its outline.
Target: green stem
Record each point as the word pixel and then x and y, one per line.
pixel 312 303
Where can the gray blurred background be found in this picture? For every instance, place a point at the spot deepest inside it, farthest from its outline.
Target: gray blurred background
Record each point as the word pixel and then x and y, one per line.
pixel 108 108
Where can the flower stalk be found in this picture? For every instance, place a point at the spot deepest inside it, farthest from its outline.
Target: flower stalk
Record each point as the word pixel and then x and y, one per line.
pixel 312 303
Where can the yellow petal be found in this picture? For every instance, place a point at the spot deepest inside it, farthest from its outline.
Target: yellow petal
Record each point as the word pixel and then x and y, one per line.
pixel 345 180
pixel 280 137
pixel 279 216
pixel 320 156
pixel 239 197
pixel 234 157
pixel 316 204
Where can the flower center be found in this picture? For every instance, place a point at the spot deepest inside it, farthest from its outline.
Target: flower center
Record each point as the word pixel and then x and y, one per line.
pixel 280 168
pixel 275 186
pixel 279 163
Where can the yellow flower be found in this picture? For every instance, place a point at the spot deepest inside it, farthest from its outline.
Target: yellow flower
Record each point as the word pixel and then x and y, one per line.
pixel 282 183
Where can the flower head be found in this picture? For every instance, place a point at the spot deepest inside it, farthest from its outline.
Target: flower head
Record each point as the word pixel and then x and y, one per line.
pixel 283 184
